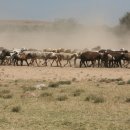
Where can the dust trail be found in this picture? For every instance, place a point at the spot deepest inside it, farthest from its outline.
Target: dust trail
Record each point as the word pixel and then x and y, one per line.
pixel 46 35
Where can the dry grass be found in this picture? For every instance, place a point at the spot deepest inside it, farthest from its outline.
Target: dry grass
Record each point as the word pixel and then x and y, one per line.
pixel 78 106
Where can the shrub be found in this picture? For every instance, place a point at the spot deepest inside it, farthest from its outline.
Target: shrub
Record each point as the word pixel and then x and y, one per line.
pixel 7 96
pixel 56 84
pixel 16 109
pixel 53 85
pixel 64 82
pixel 62 98
pixel 121 83
pixel 29 88
pixel 5 91
pixel 95 98
pixel 77 92
pixel 110 80
pixel 45 94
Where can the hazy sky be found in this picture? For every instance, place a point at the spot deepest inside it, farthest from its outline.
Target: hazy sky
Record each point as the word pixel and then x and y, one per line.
pixel 86 11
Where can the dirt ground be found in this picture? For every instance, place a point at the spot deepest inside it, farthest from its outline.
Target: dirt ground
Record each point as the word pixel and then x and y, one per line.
pixel 65 73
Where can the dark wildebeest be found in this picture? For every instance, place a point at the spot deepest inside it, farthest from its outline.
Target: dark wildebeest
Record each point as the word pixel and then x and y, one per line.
pixel 3 55
pixel 90 56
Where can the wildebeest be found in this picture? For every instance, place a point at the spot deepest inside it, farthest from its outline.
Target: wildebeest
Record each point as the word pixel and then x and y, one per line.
pixel 3 55
pixel 127 58
pixel 90 56
pixel 67 57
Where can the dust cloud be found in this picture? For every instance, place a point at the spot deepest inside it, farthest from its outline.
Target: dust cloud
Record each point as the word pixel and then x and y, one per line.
pixel 50 35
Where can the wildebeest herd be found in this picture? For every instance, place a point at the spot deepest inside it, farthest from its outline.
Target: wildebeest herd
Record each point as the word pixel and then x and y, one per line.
pixel 102 58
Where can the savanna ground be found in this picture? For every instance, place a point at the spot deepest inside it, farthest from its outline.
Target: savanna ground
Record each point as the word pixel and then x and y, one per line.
pixel 51 98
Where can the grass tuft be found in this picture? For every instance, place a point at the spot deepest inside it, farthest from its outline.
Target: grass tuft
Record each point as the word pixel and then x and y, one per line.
pixel 121 83
pixel 16 109
pixel 77 92
pixel 57 84
pixel 28 88
pixel 45 94
pixel 62 98
pixel 53 84
pixel 95 98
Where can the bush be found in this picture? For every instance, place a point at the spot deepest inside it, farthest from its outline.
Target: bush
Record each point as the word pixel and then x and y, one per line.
pixel 77 92
pixel 7 96
pixel 95 99
pixel 110 80
pixel 53 85
pixel 62 98
pixel 56 84
pixel 45 94
pixel 64 82
pixel 29 89
pixel 16 109
pixel 4 91
pixel 121 83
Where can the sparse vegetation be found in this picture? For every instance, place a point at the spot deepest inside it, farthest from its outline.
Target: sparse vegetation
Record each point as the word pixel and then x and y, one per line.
pixel 53 84
pixel 77 92
pixel 16 109
pixel 5 94
pixel 4 91
pixel 79 106
pixel 95 98
pixel 106 80
pixel 121 83
pixel 57 84
pixel 30 88
pixel 45 94
pixel 62 98
pixel 67 82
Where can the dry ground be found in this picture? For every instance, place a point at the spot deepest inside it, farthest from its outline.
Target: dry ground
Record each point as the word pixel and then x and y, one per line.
pixel 58 73
pixel 84 99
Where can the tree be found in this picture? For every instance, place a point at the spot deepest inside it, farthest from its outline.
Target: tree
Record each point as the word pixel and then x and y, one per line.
pixel 125 21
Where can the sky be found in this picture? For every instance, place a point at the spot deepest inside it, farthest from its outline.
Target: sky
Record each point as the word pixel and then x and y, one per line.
pixel 85 11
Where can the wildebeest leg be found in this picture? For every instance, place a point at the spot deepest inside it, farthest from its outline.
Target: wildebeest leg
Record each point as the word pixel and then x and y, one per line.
pixel 36 62
pixel 70 63
pixel 75 62
pixel 59 62
pixel 120 63
pixel 27 62
pixel 92 63
pixel 21 62
pixel 98 63
pixel 66 63
pixel 45 62
pixel 52 62
pixel 2 61
pixel 82 62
